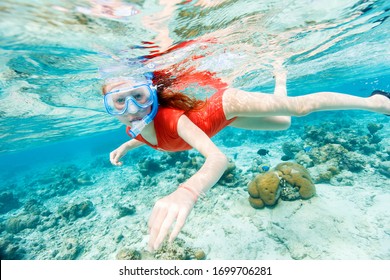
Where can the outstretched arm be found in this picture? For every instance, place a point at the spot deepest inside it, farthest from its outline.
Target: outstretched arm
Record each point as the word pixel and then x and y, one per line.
pixel 119 152
pixel 175 208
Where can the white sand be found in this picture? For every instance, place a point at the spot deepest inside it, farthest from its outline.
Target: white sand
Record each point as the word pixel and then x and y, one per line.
pixel 339 223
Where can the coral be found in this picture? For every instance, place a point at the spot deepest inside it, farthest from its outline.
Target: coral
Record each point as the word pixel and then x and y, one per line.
pixel 374 127
pixel 297 176
pixel 34 215
pixel 260 164
pixel 35 207
pixel 231 177
pixel 290 149
pixel 134 184
pixel 348 138
pixel 152 166
pixel 176 250
pixel 353 162
pixel 199 254
pixel 345 178
pixel 340 158
pixel 172 251
pixel 149 166
pixel 313 133
pixel 125 210
pixel 384 168
pixel 76 211
pixel 289 192
pixel 8 202
pixel 83 180
pixel 375 139
pixel 10 250
pixel 188 167
pixel 324 172
pixel 70 250
pixel 327 152
pixel 287 180
pixel 264 187
pixel 256 203
pixel 304 159
pixel 128 254
pixel 61 180
pixel 172 158
pixel 20 222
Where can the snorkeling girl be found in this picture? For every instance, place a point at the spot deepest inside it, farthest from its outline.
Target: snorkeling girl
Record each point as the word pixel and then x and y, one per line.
pixel 157 114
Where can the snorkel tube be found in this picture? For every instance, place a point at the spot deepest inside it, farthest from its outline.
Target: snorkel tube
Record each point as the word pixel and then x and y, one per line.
pixel 140 125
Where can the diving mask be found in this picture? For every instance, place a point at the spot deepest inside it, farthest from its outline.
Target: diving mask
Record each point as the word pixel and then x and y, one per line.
pixel 129 100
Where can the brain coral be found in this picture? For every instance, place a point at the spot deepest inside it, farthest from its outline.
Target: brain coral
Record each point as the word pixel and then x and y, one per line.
pixel 264 190
pixel 267 187
pixel 297 176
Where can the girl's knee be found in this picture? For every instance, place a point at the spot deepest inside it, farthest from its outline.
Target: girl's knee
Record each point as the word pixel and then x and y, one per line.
pixel 284 122
pixel 229 103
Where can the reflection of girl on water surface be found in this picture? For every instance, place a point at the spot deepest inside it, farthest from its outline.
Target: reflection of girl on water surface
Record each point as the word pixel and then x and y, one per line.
pixel 159 115
pixel 109 9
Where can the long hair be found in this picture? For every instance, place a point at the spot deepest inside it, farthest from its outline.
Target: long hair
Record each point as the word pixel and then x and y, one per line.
pixel 170 83
pixel 169 94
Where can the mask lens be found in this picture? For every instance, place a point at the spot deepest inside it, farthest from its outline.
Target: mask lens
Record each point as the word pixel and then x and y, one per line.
pixel 119 101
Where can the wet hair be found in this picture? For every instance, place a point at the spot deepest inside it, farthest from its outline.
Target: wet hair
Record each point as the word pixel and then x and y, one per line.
pixel 106 88
pixel 169 96
pixel 111 83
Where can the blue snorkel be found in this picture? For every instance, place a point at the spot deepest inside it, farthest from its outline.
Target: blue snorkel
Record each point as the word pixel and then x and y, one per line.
pixel 140 125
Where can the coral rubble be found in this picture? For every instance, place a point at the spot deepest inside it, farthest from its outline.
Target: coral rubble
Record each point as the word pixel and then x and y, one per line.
pixel 176 250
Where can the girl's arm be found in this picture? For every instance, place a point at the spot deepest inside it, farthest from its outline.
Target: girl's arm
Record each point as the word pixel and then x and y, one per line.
pixel 215 164
pixel 119 152
pixel 175 208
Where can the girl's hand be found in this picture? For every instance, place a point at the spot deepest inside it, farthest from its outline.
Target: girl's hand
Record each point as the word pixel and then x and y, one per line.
pixel 168 211
pixel 117 154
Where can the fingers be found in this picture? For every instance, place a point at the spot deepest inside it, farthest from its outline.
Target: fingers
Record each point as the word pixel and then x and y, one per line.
pixel 164 229
pixel 156 219
pixel 115 157
pixel 181 219
pixel 168 211
pixel 162 223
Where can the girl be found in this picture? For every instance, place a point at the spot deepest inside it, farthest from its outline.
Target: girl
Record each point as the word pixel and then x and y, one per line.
pixel 157 114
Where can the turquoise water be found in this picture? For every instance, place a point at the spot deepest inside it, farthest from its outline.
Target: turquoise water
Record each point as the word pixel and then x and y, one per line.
pixel 56 137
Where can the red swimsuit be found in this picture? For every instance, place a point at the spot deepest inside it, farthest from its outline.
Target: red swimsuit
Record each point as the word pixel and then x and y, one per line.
pixel 211 119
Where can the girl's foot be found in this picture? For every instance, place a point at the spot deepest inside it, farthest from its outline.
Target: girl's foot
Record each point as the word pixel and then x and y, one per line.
pixel 383 99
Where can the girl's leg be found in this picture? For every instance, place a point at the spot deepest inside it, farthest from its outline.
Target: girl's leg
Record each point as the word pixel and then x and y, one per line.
pixel 238 103
pixel 267 123
pixel 262 123
pixel 280 80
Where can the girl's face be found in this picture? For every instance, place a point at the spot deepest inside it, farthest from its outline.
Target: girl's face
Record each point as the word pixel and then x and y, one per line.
pixel 127 118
